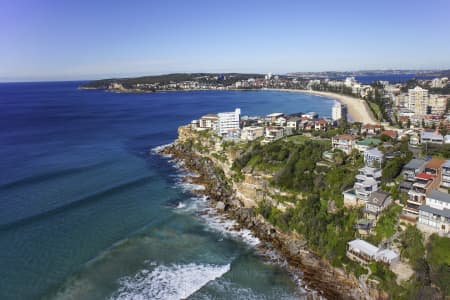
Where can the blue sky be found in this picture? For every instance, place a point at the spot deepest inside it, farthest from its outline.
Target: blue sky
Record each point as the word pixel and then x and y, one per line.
pixel 65 40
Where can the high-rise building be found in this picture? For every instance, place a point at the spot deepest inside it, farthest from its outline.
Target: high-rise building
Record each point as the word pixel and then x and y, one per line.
pixel 228 120
pixel 418 100
pixel 339 111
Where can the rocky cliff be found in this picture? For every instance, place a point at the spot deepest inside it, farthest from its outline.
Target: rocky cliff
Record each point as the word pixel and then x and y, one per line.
pixel 239 199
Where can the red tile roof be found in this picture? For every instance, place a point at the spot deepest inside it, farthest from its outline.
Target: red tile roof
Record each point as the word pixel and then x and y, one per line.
pixel 425 176
pixel 391 133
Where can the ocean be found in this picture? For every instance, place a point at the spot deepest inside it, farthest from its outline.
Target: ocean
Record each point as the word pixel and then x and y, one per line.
pixel 89 211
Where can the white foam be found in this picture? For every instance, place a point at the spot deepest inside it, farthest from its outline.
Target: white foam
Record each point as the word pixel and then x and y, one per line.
pixel 222 224
pixel 168 282
pixel 181 205
pixel 160 148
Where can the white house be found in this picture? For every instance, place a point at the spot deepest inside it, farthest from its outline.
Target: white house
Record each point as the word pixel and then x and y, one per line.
pixel 228 120
pixel 373 157
pixel 345 143
pixel 273 133
pixel 364 252
pixel 434 216
pixel 367 181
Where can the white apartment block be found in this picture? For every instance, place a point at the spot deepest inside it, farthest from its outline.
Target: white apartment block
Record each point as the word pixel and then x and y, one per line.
pixel 418 100
pixel 339 111
pixel 228 120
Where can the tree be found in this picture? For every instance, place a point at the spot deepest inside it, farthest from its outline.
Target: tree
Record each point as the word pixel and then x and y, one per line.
pixel 443 129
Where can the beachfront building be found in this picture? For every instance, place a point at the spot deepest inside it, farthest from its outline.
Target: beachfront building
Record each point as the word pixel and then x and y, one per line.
pixel 445 175
pixel 367 144
pixel 363 253
pixel 373 158
pixel 377 202
pixel 434 216
pixel 339 111
pixel 345 143
pixel 209 121
pixel 228 120
pixel 252 133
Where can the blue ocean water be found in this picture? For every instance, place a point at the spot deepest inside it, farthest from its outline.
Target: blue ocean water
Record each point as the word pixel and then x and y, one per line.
pixel 86 210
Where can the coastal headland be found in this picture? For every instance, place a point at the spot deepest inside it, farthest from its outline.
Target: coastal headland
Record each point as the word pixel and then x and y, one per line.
pixel 242 198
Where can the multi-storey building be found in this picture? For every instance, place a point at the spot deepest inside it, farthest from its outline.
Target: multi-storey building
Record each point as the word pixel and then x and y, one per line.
pixel 345 143
pixel 373 158
pixel 445 173
pixel 422 186
pixel 434 216
pixel 418 99
pixel 209 121
pixel 251 133
pixel 339 111
pixel 228 120
pixel 367 181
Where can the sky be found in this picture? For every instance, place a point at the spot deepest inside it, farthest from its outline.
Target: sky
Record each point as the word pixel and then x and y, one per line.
pixel 81 40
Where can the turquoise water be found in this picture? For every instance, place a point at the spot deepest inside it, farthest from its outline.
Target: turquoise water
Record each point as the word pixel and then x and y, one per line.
pixel 88 212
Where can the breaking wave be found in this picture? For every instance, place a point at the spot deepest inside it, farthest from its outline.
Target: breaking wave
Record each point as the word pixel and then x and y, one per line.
pixel 168 282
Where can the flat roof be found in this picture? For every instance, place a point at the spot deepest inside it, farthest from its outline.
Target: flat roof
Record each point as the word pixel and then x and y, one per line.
pixel 415 164
pixel 440 212
pixel 275 115
pixel 364 247
pixel 435 194
pixel 446 164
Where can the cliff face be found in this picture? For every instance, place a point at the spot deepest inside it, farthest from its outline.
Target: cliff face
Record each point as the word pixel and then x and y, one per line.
pixel 239 199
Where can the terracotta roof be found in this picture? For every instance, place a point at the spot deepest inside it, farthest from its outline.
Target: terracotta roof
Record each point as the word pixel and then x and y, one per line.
pixel 371 126
pixel 435 163
pixel 391 133
pixel 322 122
pixel 425 176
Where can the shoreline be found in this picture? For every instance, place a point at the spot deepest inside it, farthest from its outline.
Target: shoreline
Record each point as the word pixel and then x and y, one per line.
pixel 358 109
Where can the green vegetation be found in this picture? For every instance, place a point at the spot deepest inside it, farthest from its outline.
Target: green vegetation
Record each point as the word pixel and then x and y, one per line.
pixel 412 244
pixel 168 78
pixel 326 233
pixel 385 227
pixel 437 150
pixel 438 257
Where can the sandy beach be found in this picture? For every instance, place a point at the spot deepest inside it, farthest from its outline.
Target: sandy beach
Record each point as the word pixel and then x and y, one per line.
pixel 358 109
